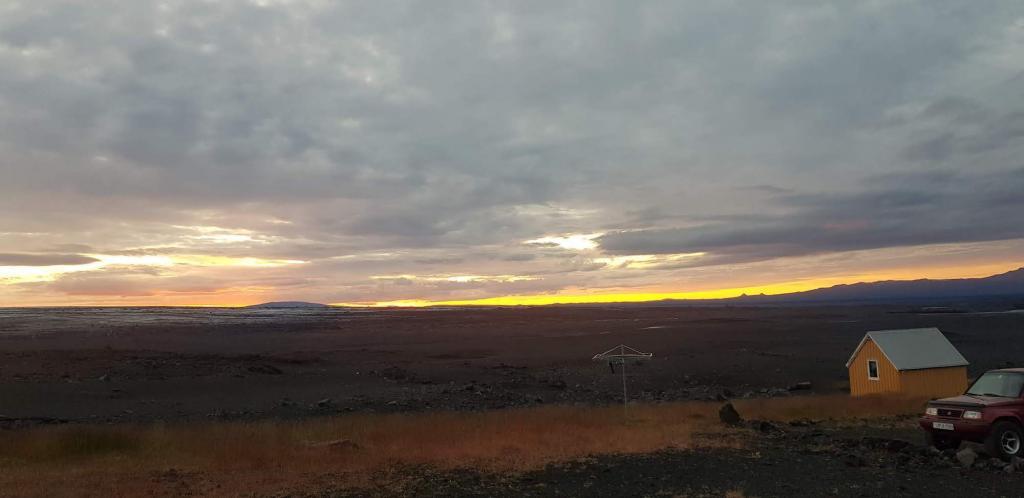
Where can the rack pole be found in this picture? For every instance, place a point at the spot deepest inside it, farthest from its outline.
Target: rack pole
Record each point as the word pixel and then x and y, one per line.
pixel 625 396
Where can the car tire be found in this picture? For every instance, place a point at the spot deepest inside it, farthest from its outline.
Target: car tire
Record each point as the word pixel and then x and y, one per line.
pixel 1005 440
pixel 941 441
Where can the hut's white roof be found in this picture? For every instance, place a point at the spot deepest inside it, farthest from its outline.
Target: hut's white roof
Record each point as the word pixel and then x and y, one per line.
pixel 914 349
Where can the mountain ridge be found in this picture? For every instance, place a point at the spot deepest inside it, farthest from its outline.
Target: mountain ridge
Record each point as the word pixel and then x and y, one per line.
pixel 288 305
pixel 1005 284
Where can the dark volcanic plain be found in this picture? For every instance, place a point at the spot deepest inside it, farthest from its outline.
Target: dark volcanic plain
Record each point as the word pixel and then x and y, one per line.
pixel 173 364
pixel 104 365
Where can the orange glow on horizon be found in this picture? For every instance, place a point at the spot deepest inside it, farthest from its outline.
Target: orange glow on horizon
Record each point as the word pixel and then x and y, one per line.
pixel 627 296
pixel 235 297
pixel 623 296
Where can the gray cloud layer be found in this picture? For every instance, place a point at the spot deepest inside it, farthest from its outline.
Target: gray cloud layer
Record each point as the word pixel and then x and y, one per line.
pixel 9 259
pixel 895 210
pixel 444 134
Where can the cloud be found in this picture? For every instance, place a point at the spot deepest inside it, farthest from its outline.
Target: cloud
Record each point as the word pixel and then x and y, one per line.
pixel 572 242
pixel 908 210
pixel 16 259
pixel 133 284
pixel 443 135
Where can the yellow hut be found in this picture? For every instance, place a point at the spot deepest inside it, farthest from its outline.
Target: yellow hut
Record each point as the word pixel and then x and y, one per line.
pixel 912 362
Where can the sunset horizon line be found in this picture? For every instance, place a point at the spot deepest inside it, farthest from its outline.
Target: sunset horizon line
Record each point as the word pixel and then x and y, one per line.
pixel 571 298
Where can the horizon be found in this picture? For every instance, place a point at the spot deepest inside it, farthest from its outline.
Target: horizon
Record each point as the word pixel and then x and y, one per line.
pixel 159 155
pixel 544 299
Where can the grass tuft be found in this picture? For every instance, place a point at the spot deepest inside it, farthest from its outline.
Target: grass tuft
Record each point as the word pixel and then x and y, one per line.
pixel 70 442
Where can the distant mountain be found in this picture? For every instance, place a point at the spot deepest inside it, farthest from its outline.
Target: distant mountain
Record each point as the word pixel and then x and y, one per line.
pixel 287 305
pixel 1005 284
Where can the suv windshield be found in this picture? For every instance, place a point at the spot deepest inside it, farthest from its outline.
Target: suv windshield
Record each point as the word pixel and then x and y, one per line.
pixel 1006 384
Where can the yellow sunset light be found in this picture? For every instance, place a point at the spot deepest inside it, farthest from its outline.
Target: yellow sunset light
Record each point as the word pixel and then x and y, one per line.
pixel 627 296
pixel 575 242
pixel 28 274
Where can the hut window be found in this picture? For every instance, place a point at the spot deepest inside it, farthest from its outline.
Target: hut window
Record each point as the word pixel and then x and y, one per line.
pixel 873 369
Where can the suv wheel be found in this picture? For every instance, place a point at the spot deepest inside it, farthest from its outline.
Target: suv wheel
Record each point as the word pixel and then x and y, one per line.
pixel 1005 441
pixel 941 441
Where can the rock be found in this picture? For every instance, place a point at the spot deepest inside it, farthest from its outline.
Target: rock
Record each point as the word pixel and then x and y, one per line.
pixel 343 444
pixel 558 384
pixel 104 378
pixel 995 464
pixel 1015 465
pixel 324 403
pixel 266 369
pixel 395 373
pixel 729 416
pixel 896 445
pixel 854 460
pixel 966 457
pixel 764 426
pixel 800 386
pixel 881 443
pixel 336 445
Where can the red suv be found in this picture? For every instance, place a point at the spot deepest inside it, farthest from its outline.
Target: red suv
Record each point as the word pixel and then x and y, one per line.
pixel 990 412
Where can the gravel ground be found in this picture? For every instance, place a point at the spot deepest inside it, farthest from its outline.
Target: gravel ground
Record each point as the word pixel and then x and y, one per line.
pixel 110 365
pixel 861 461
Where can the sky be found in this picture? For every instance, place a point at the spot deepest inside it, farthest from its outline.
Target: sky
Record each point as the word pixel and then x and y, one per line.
pixel 235 152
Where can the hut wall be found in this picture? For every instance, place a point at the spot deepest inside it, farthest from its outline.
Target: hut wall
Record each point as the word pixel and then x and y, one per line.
pixel 888 377
pixel 934 382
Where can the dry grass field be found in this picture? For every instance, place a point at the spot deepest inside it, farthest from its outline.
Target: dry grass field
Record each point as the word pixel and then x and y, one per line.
pixel 271 456
pixel 828 407
pixel 238 459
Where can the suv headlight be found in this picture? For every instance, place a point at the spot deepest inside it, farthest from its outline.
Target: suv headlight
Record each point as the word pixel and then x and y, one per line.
pixel 931 410
pixel 972 415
